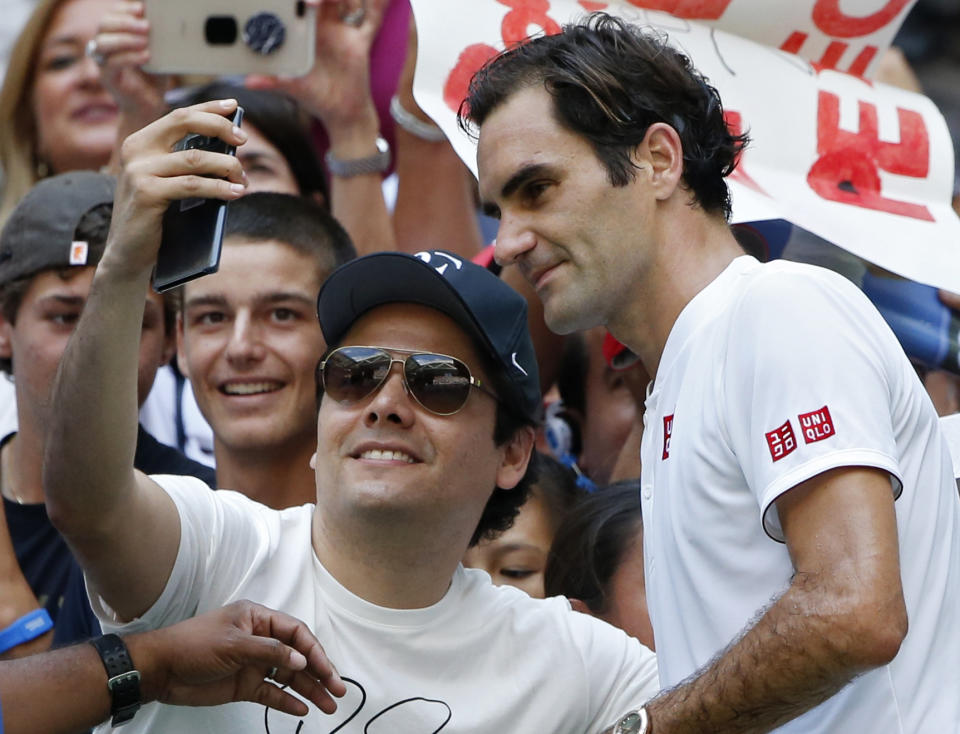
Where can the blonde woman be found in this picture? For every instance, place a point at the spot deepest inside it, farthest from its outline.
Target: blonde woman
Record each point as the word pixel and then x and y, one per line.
pixel 55 114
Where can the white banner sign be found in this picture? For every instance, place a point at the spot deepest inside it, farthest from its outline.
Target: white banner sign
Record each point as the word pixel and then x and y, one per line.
pixel 862 165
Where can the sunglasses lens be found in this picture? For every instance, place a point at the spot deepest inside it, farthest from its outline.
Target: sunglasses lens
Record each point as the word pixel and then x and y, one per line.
pixel 440 384
pixel 352 373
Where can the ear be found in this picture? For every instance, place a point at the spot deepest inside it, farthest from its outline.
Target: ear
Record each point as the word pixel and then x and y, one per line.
pixel 313 461
pixel 6 338
pixel 662 152
pixel 516 457
pixel 178 345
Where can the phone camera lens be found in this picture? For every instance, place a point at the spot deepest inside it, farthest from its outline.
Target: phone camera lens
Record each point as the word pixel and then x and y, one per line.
pixel 220 30
pixel 264 33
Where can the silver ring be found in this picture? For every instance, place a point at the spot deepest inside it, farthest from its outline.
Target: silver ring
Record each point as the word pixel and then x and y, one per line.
pixel 273 672
pixel 355 17
pixel 91 51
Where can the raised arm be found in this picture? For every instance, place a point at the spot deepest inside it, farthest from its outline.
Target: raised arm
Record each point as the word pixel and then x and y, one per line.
pixel 337 92
pixel 124 529
pixel 842 615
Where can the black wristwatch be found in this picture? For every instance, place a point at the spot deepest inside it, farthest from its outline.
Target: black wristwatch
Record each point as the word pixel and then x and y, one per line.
pixel 123 680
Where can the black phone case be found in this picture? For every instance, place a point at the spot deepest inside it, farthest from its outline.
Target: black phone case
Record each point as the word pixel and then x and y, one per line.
pixel 192 228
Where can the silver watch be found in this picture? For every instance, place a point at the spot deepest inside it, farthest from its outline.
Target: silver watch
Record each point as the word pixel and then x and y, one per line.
pixel 376 163
pixel 635 722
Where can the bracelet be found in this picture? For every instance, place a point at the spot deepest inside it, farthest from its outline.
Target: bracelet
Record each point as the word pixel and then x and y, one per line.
pixel 376 163
pixel 28 627
pixel 428 131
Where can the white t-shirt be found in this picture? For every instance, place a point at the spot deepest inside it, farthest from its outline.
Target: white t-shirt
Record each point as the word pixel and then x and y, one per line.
pixel 771 375
pixel 482 659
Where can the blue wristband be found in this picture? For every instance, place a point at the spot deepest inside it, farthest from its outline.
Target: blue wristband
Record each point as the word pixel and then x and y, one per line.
pixel 28 627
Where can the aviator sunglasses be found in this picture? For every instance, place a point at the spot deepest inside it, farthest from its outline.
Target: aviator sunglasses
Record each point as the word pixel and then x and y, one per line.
pixel 438 382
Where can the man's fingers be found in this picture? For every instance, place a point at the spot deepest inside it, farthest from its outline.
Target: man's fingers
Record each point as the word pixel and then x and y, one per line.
pixel 298 636
pixel 319 665
pixel 311 689
pixel 270 695
pixel 207 118
pixel 197 162
pixel 199 187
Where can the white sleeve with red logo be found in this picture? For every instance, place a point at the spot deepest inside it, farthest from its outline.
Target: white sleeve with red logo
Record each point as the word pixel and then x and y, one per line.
pixel 810 377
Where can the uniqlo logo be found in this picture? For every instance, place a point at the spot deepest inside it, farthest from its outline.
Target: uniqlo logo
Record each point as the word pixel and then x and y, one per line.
pixel 667 430
pixel 781 441
pixel 817 425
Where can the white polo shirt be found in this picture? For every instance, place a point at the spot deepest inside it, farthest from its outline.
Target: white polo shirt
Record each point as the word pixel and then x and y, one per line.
pixel 771 375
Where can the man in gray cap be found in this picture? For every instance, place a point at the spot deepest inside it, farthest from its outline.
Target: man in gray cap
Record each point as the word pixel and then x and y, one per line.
pixel 48 251
pixel 424 433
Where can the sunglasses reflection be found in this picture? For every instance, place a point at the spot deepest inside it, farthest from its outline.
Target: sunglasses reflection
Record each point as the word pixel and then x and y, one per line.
pixel 438 382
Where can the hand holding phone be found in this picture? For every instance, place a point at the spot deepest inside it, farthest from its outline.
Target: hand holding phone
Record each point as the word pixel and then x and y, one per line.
pixel 193 228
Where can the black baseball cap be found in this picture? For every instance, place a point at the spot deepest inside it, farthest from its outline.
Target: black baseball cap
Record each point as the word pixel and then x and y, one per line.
pixel 39 235
pixel 488 309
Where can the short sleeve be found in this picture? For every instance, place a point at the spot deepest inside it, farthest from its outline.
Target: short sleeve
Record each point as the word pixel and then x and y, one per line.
pixel 222 536
pixel 621 673
pixel 806 383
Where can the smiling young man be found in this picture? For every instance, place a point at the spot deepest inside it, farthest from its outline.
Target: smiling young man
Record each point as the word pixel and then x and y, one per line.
pixel 424 433
pixel 249 341
pixel 48 252
pixel 798 500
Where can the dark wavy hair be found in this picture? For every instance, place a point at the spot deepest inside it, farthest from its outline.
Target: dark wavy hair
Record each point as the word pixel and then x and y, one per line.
pixel 592 542
pixel 610 81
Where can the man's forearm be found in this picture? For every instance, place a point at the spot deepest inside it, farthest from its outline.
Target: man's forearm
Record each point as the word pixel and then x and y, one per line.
pixel 92 439
pixel 60 691
pixel 793 657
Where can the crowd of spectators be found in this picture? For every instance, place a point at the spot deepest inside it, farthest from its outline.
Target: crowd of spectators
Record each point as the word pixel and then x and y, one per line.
pixel 314 198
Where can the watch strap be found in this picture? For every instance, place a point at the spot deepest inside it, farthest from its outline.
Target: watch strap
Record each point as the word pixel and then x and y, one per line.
pixel 123 680
pixel 376 163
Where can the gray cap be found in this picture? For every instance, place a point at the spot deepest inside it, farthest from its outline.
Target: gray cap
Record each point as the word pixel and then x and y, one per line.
pixel 39 235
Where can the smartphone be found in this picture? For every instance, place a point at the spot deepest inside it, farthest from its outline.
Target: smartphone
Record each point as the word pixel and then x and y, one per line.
pixel 231 36
pixel 192 228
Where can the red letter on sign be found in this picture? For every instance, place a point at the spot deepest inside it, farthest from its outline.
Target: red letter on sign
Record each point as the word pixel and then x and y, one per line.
pixel 470 60
pixel 703 9
pixel 847 170
pixel 834 22
pixel 525 13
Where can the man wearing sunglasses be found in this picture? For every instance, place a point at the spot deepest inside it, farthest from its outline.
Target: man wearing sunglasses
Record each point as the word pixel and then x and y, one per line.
pixel 424 433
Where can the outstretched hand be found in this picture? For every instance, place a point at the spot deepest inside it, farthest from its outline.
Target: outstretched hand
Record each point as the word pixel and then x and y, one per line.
pixel 226 655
